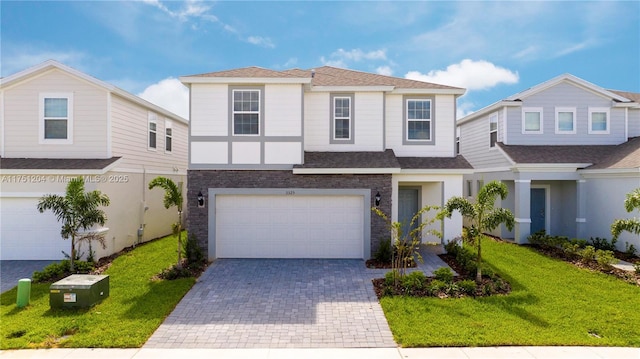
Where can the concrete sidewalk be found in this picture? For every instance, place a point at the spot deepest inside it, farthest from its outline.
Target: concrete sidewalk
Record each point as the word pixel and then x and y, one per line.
pixel 369 353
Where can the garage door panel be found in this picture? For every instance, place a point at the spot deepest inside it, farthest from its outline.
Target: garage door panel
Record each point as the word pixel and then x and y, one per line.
pixel 270 226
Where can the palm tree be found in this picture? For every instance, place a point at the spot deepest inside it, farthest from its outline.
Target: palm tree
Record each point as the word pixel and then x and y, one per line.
pixel 76 210
pixel 172 197
pixel 631 225
pixel 482 214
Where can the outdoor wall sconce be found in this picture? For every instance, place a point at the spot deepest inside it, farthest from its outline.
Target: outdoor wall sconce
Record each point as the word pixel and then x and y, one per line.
pixel 378 197
pixel 200 200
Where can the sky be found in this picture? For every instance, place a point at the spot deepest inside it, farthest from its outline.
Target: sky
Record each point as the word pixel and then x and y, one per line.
pixel 493 49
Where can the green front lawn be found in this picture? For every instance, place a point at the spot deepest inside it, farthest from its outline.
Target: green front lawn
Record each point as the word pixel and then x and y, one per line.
pixel 137 305
pixel 551 303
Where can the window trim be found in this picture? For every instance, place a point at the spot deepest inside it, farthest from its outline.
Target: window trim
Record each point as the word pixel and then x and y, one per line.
pixel 152 117
pixel 607 111
pixel 566 109
pixel 432 120
pixel 332 126
pixel 540 112
pixel 168 125
pixel 41 122
pixel 492 116
pixel 259 112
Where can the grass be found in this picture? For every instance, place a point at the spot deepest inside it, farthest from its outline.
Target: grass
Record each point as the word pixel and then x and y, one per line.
pixel 137 305
pixel 551 303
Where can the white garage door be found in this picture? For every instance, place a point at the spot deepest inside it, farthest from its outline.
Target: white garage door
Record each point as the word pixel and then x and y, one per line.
pixel 276 226
pixel 26 234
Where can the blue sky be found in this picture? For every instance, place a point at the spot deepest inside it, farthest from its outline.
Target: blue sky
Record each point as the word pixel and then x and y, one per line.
pixel 494 49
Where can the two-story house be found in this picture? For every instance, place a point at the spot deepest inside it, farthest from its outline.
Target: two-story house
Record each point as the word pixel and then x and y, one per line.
pixel 57 123
pixel 567 150
pixel 287 164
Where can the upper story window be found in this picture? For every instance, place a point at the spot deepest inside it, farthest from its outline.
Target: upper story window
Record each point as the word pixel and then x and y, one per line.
pixel 565 120
pixel 457 140
pixel 419 120
pixel 532 120
pixel 56 118
pixel 246 112
pixel 493 130
pixel 598 120
pixel 342 119
pixel 168 136
pixel 153 130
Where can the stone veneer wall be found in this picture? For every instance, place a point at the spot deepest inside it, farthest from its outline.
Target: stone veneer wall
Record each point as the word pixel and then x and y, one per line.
pixel 202 180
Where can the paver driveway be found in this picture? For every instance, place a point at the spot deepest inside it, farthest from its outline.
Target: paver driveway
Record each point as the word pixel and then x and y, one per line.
pixel 278 303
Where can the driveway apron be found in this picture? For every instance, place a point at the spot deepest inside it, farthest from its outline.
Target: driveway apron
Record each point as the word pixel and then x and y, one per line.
pixel 278 303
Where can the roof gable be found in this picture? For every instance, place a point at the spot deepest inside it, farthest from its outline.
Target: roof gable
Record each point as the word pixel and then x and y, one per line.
pixel 574 80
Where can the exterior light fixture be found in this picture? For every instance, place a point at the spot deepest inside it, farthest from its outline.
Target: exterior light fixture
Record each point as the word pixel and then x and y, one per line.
pixel 200 200
pixel 378 197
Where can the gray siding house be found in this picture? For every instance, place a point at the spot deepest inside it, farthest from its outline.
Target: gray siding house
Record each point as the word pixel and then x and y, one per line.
pixel 569 152
pixel 287 164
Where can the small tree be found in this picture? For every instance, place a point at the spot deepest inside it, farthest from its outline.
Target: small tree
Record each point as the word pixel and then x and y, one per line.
pixel 77 211
pixel 405 244
pixel 172 197
pixel 631 225
pixel 482 214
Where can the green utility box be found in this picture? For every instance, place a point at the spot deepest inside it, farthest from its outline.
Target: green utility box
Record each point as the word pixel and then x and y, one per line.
pixel 78 291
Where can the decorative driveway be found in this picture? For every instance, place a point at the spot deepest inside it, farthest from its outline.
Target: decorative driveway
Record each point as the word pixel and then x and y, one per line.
pixel 278 303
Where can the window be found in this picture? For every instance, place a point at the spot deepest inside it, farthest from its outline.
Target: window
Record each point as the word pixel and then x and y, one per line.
pixel 341 118
pixel 532 120
pixel 598 120
pixel 493 130
pixel 168 136
pixel 153 124
pixel 469 188
pixel 246 112
pixel 457 140
pixel 566 120
pixel 418 120
pixel 56 114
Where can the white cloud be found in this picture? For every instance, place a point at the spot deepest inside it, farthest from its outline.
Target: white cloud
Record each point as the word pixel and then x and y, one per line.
pixel 342 58
pixel 335 63
pixel 469 74
pixel 23 58
pixel 261 41
pixel 170 94
pixel 384 70
pixel 464 108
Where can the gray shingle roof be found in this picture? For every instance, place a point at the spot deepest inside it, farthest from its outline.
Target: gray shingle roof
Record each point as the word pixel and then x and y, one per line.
pixel 386 159
pixel 626 155
pixel 633 96
pixel 434 163
pixel 56 163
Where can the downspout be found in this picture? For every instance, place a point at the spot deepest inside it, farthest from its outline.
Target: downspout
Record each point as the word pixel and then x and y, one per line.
pixel 143 205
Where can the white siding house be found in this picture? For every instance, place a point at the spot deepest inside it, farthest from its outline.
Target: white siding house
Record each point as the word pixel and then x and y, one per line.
pixel 289 163
pixel 568 151
pixel 57 123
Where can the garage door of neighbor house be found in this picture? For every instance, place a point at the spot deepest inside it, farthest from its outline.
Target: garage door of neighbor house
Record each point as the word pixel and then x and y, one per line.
pixel 296 226
pixel 26 234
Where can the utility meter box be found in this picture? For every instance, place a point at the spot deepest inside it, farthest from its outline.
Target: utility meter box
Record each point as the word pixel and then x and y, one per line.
pixel 78 291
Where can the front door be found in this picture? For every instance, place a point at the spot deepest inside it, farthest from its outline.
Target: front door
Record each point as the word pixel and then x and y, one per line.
pixel 407 208
pixel 538 209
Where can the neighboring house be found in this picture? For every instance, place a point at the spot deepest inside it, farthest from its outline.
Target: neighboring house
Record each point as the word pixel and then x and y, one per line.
pixel 568 152
pixel 57 123
pixel 289 163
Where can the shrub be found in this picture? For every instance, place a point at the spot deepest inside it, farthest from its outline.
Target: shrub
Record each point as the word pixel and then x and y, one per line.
pixel 193 254
pixel 587 254
pixel 636 267
pixel 453 246
pixel 57 271
pixel 443 274
pixel 602 243
pixel 543 240
pixel 605 258
pixel 630 249
pixel 383 254
pixel 436 286
pixel 175 272
pixel 467 286
pixel 413 281
pixel 390 277
pixel 581 243
pixel 571 249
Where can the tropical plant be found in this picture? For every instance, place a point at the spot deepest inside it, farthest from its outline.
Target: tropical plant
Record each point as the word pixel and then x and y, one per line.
pixel 482 214
pixel 172 197
pixel 632 225
pixel 77 211
pixel 405 245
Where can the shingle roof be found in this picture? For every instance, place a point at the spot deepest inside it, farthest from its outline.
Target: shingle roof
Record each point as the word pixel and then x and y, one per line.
pixel 386 159
pixel 329 76
pixel 457 162
pixel 626 155
pixel 557 154
pixel 56 163
pixel 633 96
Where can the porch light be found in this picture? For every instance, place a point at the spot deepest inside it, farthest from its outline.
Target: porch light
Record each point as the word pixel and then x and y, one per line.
pixel 200 199
pixel 378 197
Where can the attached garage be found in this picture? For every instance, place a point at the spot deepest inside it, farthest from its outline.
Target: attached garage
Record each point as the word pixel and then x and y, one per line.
pixel 296 223
pixel 26 234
